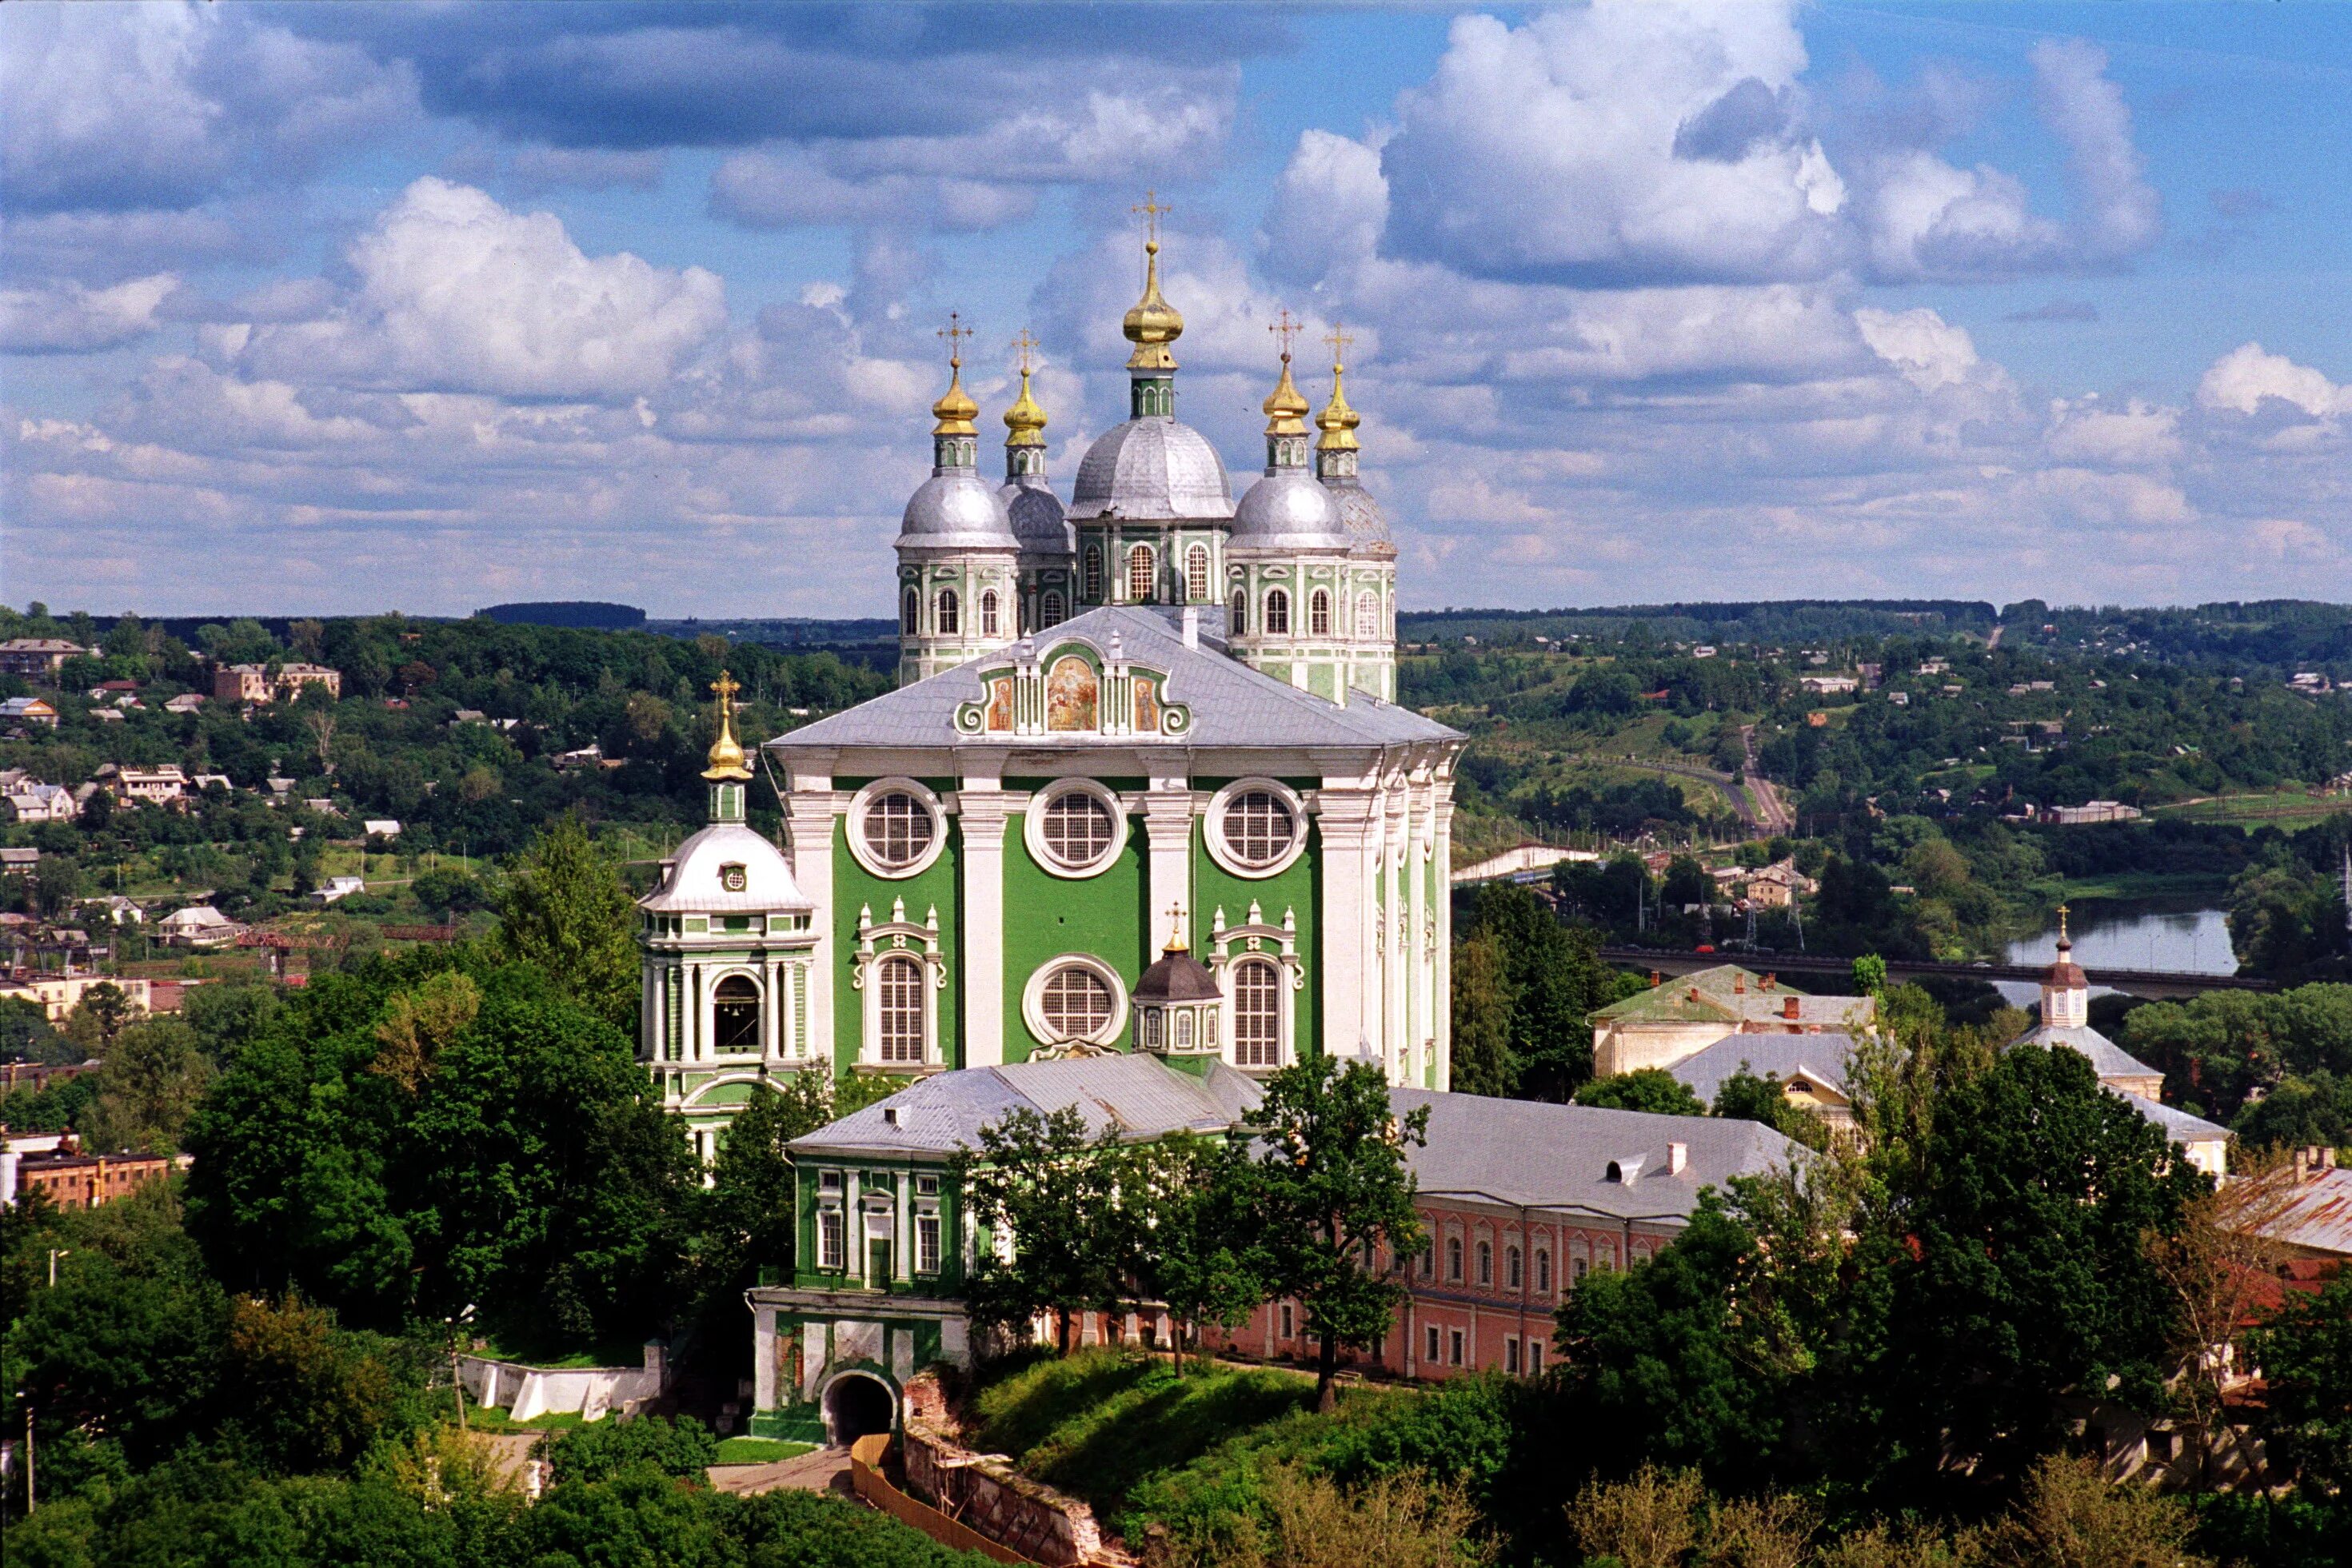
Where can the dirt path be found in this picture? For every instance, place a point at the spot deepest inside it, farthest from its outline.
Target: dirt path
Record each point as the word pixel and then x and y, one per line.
pixel 822 1469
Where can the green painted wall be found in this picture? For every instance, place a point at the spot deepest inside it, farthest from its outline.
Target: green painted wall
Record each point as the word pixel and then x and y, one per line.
pixel 940 884
pixel 1107 915
pixel 1299 888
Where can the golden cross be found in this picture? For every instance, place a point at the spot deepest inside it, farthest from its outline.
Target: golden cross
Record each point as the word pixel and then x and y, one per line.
pixel 1152 209
pixel 1338 338
pixel 955 332
pixel 725 687
pixel 2062 923
pixel 1285 327
pixel 1176 925
pixel 1026 344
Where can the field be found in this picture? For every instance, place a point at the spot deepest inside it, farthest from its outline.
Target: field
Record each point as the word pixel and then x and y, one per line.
pixel 2291 808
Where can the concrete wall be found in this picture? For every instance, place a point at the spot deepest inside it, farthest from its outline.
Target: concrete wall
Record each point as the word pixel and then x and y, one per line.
pixel 593 1392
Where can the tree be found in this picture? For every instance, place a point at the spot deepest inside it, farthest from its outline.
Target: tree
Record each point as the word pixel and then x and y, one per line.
pixel 1651 1089
pixel 1554 978
pixel 751 1212
pixel 2221 1265
pixel 1202 1254
pixel 1746 1097
pixel 1052 1189
pixel 1334 1188
pixel 566 912
pixel 1869 974
pixel 56 882
pixel 1483 1001
pixel 2034 1201
pixel 148 1086
pixel 2305 1354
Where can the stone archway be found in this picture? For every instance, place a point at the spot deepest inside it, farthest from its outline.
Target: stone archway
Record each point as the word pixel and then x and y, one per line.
pixel 857 1404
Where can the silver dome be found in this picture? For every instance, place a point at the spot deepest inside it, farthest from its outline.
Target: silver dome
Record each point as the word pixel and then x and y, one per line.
pixel 1288 510
pixel 1152 469
pixel 1037 519
pixel 1368 526
pixel 956 511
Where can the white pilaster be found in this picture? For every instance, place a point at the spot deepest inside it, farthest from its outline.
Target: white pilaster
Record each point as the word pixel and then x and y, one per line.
pixel 764 1359
pixel 1168 811
pixel 981 811
pixel 1348 818
pixel 811 808
pixel 1443 979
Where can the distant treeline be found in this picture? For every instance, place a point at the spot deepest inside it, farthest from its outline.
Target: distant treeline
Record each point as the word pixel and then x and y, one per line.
pixel 579 614
pixel 1769 621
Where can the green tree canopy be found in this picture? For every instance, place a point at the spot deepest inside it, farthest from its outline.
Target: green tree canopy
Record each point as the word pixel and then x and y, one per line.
pixel 1651 1089
pixel 566 912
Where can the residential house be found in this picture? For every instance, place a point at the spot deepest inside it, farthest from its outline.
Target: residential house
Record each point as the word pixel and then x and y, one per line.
pixel 19 860
pixel 2091 811
pixel 71 1177
pixel 2315 1221
pixel 28 710
pixel 198 925
pixel 338 888
pixel 30 802
pixel 1825 685
pixel 186 702
pixel 37 658
pixel 1677 1018
pixel 1811 1070
pixel 382 827
pixel 161 786
pixel 58 995
pixel 258 684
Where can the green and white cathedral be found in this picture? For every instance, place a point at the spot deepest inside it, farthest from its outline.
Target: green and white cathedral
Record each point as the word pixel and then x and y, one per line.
pixel 1150 705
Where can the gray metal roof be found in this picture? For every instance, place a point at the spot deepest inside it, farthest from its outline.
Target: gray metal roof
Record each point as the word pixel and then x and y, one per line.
pixel 1556 1157
pixel 955 509
pixel 1152 468
pixel 1037 518
pixel 1232 704
pixel 1288 509
pixel 1367 525
pixel 1819 1057
pixel 2317 1215
pixel 2178 1125
pixel 1141 1095
pixel 2108 1060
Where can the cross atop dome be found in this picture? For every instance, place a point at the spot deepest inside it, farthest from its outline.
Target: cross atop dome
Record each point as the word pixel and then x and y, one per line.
pixel 1152 324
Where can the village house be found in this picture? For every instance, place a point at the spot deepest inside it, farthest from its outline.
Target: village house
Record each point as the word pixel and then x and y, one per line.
pixel 198 925
pixel 259 684
pixel 57 995
pixel 186 702
pixel 165 785
pixel 28 710
pixel 37 658
pixel 31 802
pixel 1677 1018
pixel 55 1164
pixel 1811 1070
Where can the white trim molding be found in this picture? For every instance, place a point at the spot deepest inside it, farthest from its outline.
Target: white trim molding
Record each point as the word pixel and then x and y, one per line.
pixel 894 938
pixel 854 827
pixel 1033 829
pixel 1230 945
pixel 1213 830
pixel 1032 1001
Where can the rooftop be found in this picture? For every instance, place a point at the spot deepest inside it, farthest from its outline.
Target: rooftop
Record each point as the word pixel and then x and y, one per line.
pixel 1821 1058
pixel 1142 1096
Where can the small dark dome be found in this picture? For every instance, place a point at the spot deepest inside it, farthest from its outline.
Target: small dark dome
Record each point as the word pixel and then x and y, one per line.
pixel 1178 977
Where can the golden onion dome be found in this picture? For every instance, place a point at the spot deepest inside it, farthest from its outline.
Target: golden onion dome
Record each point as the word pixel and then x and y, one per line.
pixel 726 756
pixel 955 410
pixel 1024 422
pixel 1338 422
pixel 1285 406
pixel 1151 323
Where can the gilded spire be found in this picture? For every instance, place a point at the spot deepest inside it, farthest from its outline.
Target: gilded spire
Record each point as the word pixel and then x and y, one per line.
pixel 726 757
pixel 1152 323
pixel 1024 422
pixel 955 410
pixel 1285 406
pixel 1338 421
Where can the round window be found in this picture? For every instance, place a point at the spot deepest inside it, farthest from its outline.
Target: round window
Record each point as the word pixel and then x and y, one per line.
pixel 1076 1002
pixel 1258 828
pixel 897 829
pixel 1078 830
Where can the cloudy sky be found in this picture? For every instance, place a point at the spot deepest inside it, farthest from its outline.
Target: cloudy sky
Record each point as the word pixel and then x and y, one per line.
pixel 352 307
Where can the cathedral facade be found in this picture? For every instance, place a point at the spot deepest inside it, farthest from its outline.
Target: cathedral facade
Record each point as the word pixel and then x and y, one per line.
pixel 1151 719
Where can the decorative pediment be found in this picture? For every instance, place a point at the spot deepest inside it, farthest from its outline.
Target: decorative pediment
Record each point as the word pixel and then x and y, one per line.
pixel 1072 688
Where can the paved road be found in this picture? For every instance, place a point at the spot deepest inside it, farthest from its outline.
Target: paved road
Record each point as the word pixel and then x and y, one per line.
pixel 1768 814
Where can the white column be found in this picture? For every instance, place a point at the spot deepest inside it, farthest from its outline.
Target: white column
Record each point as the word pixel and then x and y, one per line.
pixel 981 811
pixel 1396 859
pixel 771 1010
pixel 764 1359
pixel 1442 980
pixel 1419 960
pixel 1168 836
pixel 811 810
pixel 1349 821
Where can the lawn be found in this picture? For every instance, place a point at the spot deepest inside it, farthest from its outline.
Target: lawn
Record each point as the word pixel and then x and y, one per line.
pixel 2136 884
pixel 2296 805
pixel 757 1451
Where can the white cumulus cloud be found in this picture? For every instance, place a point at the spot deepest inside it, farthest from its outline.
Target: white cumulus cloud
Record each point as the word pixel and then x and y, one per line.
pixel 2246 375
pixel 66 317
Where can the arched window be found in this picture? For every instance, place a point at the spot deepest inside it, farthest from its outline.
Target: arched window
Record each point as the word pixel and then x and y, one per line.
pixel 1151 1029
pixel 1184 1030
pixel 1543 1272
pixel 1485 1263
pixel 735 1014
pixel 1429 1260
pixel 1454 1259
pixel 1368 616
pixel 988 613
pixel 1240 615
pixel 1139 574
pixel 903 996
pixel 1196 574
pixel 1318 614
pixel 1257 1014
pixel 1052 614
pixel 910 613
pixel 1094 574
pixel 1576 1267
pixel 1511 1267
pixel 949 616
pixel 1277 612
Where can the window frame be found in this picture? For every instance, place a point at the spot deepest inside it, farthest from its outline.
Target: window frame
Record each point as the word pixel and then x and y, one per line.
pixel 1227 858
pixel 1141 561
pixel 1091 577
pixel 1276 979
pixel 885 974
pixel 1035 827
pixel 1275 615
pixel 1319 613
pixel 1196 575
pixel 1368 616
pixel 1051 609
pixel 990 617
pixel 872 794
pixel 1032 1001
pixel 947 612
pixel 910 613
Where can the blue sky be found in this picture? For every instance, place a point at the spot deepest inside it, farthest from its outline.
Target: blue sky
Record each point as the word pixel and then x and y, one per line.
pixel 359 308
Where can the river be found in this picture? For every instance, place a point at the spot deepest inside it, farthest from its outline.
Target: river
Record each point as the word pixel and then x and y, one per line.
pixel 2187 935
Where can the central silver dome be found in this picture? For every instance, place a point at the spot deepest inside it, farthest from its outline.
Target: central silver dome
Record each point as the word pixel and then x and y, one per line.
pixel 956 511
pixel 1037 519
pixel 1288 510
pixel 1154 469
pixel 1368 526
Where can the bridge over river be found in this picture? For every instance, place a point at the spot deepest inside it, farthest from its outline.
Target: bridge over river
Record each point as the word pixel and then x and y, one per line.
pixel 2156 984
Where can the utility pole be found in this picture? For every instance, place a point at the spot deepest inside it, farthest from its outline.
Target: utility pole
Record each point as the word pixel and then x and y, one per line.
pixel 29 1500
